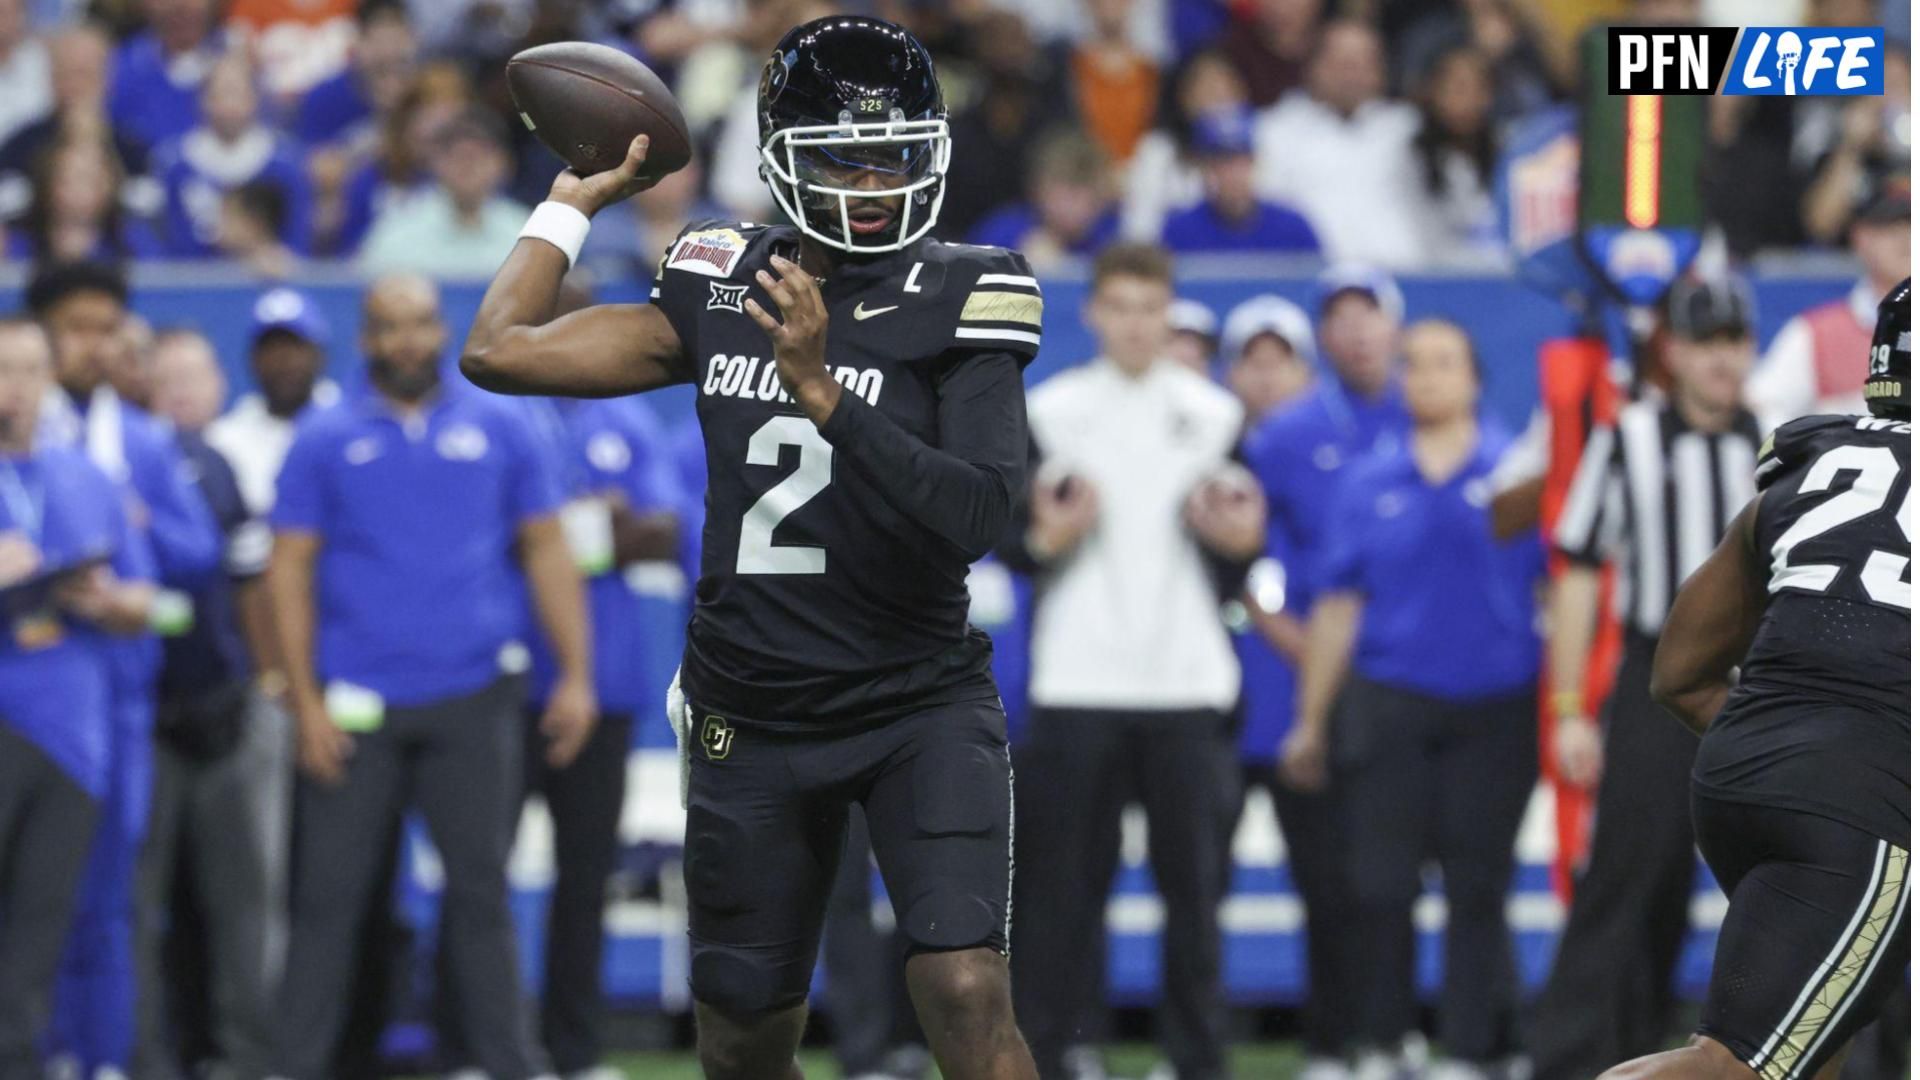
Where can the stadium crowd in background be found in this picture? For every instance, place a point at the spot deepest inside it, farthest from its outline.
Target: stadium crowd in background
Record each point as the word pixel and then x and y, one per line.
pixel 150 695
pixel 383 132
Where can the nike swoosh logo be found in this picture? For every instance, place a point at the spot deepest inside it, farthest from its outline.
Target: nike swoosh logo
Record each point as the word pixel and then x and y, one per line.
pixel 861 313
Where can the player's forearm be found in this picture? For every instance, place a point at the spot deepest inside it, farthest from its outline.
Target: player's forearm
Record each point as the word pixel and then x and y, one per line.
pixel 1575 601
pixel 290 597
pixel 1331 631
pixel 254 605
pixel 559 597
pixel 966 495
pixel 522 294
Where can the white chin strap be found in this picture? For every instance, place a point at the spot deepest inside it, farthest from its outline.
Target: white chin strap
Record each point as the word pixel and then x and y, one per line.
pixel 778 167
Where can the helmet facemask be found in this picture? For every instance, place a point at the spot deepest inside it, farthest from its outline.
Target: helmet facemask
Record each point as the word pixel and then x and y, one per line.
pixel 815 172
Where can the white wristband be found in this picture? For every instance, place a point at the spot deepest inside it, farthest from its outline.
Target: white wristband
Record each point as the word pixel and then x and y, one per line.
pixel 560 225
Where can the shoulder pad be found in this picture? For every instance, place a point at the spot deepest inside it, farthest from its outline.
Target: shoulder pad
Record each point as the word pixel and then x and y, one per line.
pixel 998 300
pixel 1797 442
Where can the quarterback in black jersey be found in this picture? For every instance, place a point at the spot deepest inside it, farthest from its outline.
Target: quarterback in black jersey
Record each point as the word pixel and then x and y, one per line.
pixel 859 392
pixel 1801 788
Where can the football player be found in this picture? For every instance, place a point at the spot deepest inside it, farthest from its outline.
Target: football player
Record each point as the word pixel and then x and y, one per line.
pixel 1801 787
pixel 859 393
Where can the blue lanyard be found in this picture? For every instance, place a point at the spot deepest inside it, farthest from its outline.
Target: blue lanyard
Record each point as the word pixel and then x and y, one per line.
pixel 28 508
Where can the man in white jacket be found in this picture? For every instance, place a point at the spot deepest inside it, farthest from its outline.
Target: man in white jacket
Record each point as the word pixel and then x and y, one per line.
pixel 1138 519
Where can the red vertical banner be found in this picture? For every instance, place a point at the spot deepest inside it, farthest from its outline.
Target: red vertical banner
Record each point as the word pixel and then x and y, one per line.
pixel 1577 392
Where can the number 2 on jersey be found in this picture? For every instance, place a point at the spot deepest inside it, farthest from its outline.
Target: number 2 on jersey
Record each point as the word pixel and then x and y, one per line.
pixel 1875 470
pixel 758 553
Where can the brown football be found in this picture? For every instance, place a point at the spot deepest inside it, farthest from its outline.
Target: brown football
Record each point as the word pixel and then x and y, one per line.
pixel 587 102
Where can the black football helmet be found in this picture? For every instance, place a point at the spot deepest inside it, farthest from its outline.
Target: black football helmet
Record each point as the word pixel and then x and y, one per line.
pixel 1891 359
pixel 845 100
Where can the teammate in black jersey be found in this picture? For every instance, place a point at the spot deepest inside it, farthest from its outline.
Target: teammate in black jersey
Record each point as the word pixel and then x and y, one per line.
pixel 859 391
pixel 1801 787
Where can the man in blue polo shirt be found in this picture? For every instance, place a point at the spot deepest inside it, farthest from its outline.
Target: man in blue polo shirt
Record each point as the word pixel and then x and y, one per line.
pixel 1300 453
pixel 398 519
pixel 82 308
pixel 70 567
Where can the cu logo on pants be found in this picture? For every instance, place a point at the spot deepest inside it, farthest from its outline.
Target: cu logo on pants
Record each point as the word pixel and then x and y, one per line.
pixel 716 736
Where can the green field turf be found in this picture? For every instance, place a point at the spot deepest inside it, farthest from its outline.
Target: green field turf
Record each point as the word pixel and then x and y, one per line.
pixel 1275 1060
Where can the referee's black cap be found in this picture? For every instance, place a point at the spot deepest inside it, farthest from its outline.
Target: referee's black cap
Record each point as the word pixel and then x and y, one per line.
pixel 1702 308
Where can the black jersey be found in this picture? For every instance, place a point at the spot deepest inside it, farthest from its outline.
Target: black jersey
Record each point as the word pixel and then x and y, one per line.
pixel 834 560
pixel 1820 719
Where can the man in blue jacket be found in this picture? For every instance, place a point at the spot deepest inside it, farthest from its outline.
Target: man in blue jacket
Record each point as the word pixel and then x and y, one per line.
pixel 81 307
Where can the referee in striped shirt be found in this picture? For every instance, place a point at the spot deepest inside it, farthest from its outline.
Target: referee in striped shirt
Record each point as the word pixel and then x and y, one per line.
pixel 1653 492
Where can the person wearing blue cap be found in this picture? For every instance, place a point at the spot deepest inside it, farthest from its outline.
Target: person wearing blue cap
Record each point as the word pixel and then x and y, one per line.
pixel 82 307
pixel 71 566
pixel 287 356
pixel 1232 217
pixel 1300 454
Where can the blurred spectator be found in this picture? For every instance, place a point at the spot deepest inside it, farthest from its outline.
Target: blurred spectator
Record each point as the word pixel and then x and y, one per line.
pixel 1455 149
pixel 1115 86
pixel 213 866
pixel 1163 175
pixel 1300 452
pixel 993 136
pixel 127 359
pixel 462 227
pixel 70 565
pixel 77 211
pixel 1524 69
pixel 393 165
pixel 253 218
pixel 298 44
pixel 189 388
pixel 1069 208
pixel 1851 145
pixel 157 73
pixel 1653 492
pixel 1343 154
pixel 80 54
pixel 1434 727
pixel 1813 365
pixel 1193 338
pixel 1270 354
pixel 83 308
pixel 26 84
pixel 1232 217
pixel 621 494
pixel 287 354
pixel 341 108
pixel 401 699
pixel 1133 503
pixel 1270 45
pixel 229 149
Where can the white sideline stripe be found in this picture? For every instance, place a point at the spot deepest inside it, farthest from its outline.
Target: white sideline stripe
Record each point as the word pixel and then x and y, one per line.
pixel 976 333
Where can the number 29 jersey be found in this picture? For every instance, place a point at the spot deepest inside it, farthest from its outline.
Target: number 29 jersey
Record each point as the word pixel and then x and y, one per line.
pixel 1820 719
pixel 819 602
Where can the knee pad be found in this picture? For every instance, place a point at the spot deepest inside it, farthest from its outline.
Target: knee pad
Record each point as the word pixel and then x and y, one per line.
pixel 944 921
pixel 743 982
